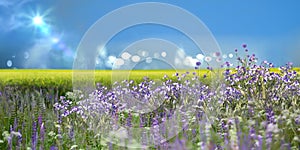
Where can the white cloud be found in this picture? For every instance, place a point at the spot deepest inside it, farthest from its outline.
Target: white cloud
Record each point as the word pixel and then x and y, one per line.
pixel 38 54
pixel 12 17
pixel 110 61
pixel 200 57
pixel 183 61
pixel 6 3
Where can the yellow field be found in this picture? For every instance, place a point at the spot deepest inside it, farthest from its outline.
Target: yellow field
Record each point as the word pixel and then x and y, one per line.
pixel 63 78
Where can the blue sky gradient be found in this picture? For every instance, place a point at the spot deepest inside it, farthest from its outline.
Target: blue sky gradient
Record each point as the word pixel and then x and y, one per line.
pixel 270 28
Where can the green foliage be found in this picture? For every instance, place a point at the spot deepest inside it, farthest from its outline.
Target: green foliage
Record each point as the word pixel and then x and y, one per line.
pixel 27 95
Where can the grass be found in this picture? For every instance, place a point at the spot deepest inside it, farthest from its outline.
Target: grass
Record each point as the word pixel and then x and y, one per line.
pixel 62 79
pixel 21 104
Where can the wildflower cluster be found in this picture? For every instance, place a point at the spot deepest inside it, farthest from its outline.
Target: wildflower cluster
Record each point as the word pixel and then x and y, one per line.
pixel 251 106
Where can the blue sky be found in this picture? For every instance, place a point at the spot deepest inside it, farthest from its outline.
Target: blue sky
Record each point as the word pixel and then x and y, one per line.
pixel 270 28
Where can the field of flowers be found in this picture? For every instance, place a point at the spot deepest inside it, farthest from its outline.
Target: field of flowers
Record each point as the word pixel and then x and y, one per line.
pixel 249 106
pixel 62 79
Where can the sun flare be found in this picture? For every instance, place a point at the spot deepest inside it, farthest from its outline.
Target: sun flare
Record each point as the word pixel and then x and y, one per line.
pixel 37 20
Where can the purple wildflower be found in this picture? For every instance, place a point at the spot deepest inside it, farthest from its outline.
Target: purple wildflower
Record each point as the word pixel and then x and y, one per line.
pixel 19 141
pixel 198 63
pixel 53 147
pixel 42 135
pixel 34 136
pixel 40 120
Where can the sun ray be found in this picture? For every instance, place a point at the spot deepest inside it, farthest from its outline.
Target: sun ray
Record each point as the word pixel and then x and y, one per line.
pixel 39 21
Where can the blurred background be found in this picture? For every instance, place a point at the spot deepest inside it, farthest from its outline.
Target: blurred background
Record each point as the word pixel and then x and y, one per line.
pixel 45 34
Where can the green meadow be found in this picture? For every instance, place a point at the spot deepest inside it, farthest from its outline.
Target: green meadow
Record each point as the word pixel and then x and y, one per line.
pixel 37 109
pixel 63 78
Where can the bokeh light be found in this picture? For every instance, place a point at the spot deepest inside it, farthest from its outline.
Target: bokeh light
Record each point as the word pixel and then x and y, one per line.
pixel 9 63
pixel 126 55
pixel 119 62
pixel 148 60
pixel 135 58
pixel 156 55
pixel 143 53
pixel 26 55
pixel 163 54
pixel 207 59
